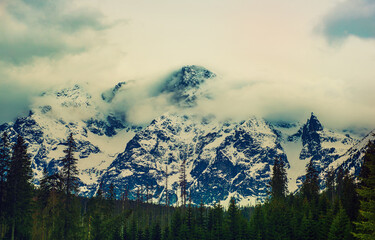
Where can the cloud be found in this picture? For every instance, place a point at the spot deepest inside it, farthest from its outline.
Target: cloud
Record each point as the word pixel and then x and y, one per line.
pixel 269 61
pixel 350 18
pixel 49 43
pixel 35 29
pixel 333 101
pixel 14 101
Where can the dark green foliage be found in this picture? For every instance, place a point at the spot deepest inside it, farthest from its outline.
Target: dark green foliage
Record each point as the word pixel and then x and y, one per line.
pixel 308 230
pixel 257 224
pixel 278 220
pixel 366 223
pixel 59 213
pixel 4 170
pixel 233 220
pixel 340 227
pixel 176 225
pixel 310 187
pixel 166 233
pixel 330 184
pixel 156 232
pixel 349 197
pixel 217 231
pixel 279 180
pixel 69 173
pixel 20 191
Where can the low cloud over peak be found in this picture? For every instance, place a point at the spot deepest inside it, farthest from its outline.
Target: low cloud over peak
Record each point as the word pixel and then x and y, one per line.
pixel 267 59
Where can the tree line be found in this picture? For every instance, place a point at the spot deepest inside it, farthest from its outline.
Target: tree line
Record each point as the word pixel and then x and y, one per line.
pixel 54 210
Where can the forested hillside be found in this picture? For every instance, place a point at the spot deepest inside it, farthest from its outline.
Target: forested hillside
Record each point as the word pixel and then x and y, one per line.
pixel 344 210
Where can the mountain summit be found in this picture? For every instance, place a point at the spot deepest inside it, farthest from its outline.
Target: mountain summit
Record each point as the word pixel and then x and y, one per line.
pixel 185 84
pixel 222 159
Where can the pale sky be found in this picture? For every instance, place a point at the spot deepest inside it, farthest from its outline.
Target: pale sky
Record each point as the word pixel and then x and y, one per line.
pixel 278 59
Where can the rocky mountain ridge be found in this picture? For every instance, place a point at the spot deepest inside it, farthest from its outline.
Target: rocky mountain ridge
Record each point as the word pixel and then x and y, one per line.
pixel 223 158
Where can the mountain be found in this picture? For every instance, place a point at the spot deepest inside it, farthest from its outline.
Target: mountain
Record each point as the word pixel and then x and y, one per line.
pixel 319 145
pixel 99 137
pixel 222 158
pixel 111 93
pixel 353 158
pixel 185 85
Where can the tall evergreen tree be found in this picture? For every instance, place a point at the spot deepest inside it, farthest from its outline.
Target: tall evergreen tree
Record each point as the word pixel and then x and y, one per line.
pixel 176 225
pixel 340 182
pixel 257 224
pixel 69 177
pixel 278 220
pixel 310 187
pixel 233 220
pixel 4 170
pixel 20 191
pixel 48 209
pixel 366 225
pixel 156 232
pixel 340 227
pixel 349 197
pixel 69 169
pixel 330 184
pixel 218 223
pixel 279 180
pixel 308 228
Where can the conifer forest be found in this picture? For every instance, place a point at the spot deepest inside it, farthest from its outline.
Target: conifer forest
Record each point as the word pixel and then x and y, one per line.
pixel 54 209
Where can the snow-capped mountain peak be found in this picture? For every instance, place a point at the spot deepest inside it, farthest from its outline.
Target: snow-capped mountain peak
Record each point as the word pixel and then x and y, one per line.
pixel 223 158
pixel 185 85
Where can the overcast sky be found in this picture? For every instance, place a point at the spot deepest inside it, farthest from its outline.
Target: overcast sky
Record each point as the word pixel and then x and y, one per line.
pixel 278 59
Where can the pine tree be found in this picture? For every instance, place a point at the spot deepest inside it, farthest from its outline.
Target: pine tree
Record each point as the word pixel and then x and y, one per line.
pixel 366 225
pixel 69 177
pixel 20 191
pixel 233 220
pixel 349 197
pixel 69 170
pixel 218 226
pixel 156 232
pixel 278 220
pixel 330 184
pixel 183 182
pixel 340 182
pixel 41 217
pixel 140 235
pixel 257 224
pixel 308 228
pixel 176 225
pixel 340 227
pixel 111 197
pixel 4 170
pixel 48 212
pixel 55 212
pixel 166 234
pixel 279 180
pixel 310 187
pixel 189 216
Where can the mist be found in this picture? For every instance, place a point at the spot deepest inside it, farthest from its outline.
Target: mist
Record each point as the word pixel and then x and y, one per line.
pixel 278 60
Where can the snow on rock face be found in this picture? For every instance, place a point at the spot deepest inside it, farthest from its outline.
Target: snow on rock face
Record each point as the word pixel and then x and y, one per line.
pixel 352 160
pixel 322 146
pixel 185 85
pixel 312 142
pixel 49 123
pixel 220 158
pixel 223 159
